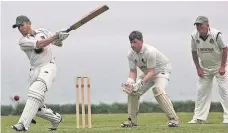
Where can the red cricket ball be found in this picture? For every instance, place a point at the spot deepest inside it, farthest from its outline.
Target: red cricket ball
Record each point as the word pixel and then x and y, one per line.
pixel 16 98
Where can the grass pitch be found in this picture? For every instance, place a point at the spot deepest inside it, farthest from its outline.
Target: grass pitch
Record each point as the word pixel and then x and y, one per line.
pixel 110 123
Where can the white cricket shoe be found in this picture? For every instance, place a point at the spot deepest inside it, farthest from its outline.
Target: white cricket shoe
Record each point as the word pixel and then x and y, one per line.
pixel 173 123
pixel 128 123
pixel 54 125
pixel 19 127
pixel 225 121
pixel 195 121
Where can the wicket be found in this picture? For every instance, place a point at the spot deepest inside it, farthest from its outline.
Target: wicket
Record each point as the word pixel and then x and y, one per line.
pixel 83 102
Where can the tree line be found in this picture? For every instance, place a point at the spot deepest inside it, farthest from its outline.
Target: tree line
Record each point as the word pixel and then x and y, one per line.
pixel 102 108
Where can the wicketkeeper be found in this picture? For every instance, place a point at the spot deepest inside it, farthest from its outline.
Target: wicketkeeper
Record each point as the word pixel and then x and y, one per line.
pixel 156 70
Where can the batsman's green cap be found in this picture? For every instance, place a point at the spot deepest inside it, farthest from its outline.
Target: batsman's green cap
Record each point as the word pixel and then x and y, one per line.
pixel 201 20
pixel 20 20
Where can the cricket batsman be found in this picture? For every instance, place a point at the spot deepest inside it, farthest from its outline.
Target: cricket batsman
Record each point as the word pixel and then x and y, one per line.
pixel 209 54
pixel 37 45
pixel 156 70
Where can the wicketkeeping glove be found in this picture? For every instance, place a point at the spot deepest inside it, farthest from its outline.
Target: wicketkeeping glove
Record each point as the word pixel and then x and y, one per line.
pixel 127 87
pixel 138 85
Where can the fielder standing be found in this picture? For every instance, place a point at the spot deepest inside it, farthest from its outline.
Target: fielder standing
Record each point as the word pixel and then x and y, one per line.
pixel 36 45
pixel 156 69
pixel 209 53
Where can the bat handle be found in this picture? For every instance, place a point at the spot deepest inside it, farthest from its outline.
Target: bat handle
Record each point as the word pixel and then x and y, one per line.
pixel 68 30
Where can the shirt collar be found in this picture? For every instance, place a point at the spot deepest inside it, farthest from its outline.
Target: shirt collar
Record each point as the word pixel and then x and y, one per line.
pixel 208 32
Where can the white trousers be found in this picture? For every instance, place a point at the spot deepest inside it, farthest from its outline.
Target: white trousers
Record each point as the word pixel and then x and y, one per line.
pixel 204 92
pixel 45 74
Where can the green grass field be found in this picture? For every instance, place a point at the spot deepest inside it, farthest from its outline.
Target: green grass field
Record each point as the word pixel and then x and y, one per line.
pixel 110 123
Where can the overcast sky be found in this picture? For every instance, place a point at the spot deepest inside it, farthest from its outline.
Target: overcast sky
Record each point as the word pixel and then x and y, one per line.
pixel 99 48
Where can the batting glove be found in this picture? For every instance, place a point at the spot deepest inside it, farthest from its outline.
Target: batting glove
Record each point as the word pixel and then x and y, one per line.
pixel 62 35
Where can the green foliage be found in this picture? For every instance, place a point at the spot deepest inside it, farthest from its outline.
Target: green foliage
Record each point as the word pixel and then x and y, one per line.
pixel 103 108
pixel 18 109
pixel 6 110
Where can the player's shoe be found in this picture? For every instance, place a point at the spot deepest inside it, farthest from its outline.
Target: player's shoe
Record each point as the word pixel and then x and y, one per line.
pixel 173 123
pixel 54 125
pixel 128 123
pixel 19 127
pixel 195 121
pixel 225 121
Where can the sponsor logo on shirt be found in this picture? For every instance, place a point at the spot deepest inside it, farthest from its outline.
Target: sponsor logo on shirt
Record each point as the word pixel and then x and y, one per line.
pixel 206 50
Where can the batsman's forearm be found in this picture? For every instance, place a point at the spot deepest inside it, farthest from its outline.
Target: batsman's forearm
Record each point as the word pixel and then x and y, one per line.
pixel 195 58
pixel 224 57
pixel 148 76
pixel 133 74
pixel 44 42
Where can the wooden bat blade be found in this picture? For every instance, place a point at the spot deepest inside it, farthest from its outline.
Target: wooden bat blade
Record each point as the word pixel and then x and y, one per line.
pixel 88 17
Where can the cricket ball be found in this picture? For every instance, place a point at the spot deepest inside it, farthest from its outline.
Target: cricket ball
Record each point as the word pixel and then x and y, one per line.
pixel 16 98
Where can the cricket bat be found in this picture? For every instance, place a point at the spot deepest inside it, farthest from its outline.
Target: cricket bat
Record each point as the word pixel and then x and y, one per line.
pixel 96 12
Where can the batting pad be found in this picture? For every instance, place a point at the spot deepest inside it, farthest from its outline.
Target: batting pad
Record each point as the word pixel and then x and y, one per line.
pixel 35 99
pixel 29 112
pixel 37 90
pixel 167 106
pixel 48 114
pixel 133 108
